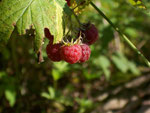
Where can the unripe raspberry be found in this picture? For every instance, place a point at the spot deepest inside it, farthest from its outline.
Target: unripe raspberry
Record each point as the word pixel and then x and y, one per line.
pixel 71 54
pixel 86 52
pixel 53 52
pixel 90 34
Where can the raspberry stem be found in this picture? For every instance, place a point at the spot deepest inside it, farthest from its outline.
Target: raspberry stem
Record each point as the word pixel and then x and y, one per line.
pixel 121 34
pixel 76 17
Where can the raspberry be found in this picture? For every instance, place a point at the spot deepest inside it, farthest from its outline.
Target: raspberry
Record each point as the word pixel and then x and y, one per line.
pixel 48 35
pixel 86 52
pixel 53 52
pixel 71 54
pixel 68 2
pixel 90 34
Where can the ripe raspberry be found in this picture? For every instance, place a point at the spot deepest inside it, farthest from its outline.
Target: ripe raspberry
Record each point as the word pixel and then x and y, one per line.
pixel 90 34
pixel 53 52
pixel 71 54
pixel 48 35
pixel 86 52
pixel 68 2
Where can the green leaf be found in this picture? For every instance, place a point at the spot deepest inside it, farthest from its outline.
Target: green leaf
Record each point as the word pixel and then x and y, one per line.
pixel 84 103
pixel 2 74
pixel 61 66
pixel 10 95
pixel 104 64
pixel 56 74
pixel 124 65
pixel 137 3
pixel 133 68
pixel 38 14
pixel 121 62
pixel 131 32
pixel 50 95
pixel 45 95
pixel 51 91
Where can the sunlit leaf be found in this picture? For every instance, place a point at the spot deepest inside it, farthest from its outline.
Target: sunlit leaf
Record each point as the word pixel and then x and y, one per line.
pixel 104 64
pixel 10 95
pixel 120 62
pixel 138 3
pixel 38 14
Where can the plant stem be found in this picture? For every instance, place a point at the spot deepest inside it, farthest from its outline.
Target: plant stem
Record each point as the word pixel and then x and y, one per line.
pixel 122 35
pixel 14 53
pixel 76 17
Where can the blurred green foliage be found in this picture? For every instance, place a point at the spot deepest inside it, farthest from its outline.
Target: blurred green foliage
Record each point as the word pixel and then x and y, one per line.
pixel 26 86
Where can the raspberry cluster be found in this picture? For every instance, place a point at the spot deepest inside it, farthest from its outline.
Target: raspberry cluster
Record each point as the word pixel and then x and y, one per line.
pixel 72 52
pixel 69 53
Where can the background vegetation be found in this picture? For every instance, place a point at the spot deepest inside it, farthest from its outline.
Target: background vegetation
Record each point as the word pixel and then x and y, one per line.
pixel 112 80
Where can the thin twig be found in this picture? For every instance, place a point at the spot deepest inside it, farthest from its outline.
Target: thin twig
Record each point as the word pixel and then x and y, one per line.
pixel 76 17
pixel 123 35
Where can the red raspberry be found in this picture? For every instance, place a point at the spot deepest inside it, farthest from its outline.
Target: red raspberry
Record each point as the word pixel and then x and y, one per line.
pixel 90 34
pixel 53 52
pixel 71 54
pixel 48 35
pixel 86 52
pixel 68 2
